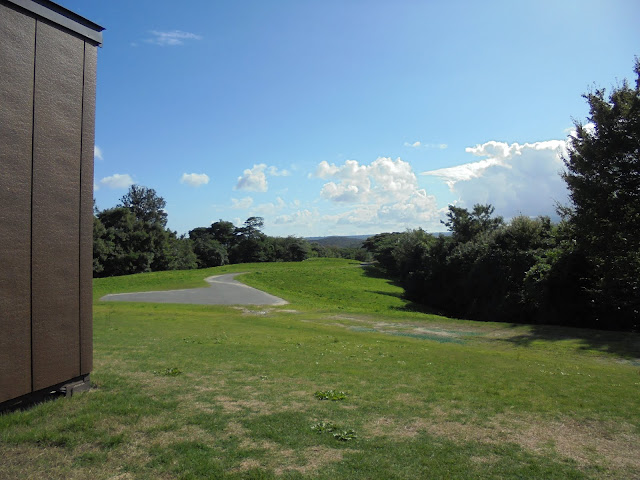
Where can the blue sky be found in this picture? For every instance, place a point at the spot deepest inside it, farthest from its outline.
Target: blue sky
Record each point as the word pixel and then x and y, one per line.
pixel 347 117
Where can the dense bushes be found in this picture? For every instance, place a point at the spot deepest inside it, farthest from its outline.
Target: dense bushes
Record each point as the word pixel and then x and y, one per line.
pixel 476 272
pixel 527 270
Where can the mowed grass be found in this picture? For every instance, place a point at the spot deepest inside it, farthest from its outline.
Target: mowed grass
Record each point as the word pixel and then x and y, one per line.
pixel 190 392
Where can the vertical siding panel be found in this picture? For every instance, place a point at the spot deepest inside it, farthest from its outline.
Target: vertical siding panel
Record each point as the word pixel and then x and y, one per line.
pixel 56 203
pixel 86 210
pixel 17 44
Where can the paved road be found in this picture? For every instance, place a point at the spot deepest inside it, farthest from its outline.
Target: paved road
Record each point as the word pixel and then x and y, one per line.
pixel 223 290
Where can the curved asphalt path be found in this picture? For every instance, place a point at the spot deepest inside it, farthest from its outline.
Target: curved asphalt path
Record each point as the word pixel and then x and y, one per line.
pixel 222 290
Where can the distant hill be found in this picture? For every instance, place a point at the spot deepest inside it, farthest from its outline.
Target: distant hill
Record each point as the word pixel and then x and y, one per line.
pixel 351 241
pixel 354 241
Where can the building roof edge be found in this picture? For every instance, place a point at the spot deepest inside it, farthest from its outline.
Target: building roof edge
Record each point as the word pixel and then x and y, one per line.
pixel 63 17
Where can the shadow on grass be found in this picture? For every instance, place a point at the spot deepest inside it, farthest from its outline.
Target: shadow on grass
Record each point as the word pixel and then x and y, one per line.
pixel 409 306
pixel 374 271
pixel 624 344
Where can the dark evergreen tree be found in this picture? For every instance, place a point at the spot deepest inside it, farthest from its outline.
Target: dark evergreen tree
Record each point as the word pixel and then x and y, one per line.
pixel 146 205
pixel 603 177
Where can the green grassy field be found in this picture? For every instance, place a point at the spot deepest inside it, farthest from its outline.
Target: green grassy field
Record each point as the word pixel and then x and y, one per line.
pixel 195 392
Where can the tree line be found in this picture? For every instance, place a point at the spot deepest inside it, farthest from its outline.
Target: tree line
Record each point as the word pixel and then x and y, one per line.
pixel 133 237
pixel 583 271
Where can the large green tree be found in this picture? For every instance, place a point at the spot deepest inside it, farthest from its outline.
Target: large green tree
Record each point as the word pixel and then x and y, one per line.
pixel 466 225
pixel 146 205
pixel 603 177
pixel 133 238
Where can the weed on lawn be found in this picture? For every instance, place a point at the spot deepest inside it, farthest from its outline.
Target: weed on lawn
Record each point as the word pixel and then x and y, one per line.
pixel 330 395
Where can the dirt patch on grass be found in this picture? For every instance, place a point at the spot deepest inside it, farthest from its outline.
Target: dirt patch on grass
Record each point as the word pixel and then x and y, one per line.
pixel 231 406
pixel 589 443
pixel 404 329
pixel 187 433
pixel 281 461
pixel 295 407
pixel 278 458
pixel 316 458
pixel 248 464
pixel 585 442
pixel 390 427
pixel 263 311
pixel 16 460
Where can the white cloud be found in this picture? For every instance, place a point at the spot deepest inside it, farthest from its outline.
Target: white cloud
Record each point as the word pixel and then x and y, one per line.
pixel 172 38
pixel 515 178
pixel 324 170
pixel 243 203
pixel 589 127
pixel 97 152
pixel 299 218
pixel 117 181
pixel 253 179
pixel 383 194
pixel 437 146
pixel 270 208
pixel 274 172
pixel 195 179
pixel 384 180
pixel 342 192
pixel 459 173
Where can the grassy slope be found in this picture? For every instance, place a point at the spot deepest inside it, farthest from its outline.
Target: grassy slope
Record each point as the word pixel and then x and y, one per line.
pixel 221 392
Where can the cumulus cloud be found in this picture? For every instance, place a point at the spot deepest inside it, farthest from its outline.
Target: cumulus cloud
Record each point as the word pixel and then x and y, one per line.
pixel 117 181
pixel 195 179
pixel 253 179
pixel 171 38
pixel 515 178
pixel 381 181
pixel 97 152
pixel 383 193
pixel 243 203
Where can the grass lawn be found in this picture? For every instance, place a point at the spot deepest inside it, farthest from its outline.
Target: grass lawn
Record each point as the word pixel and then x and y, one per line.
pixel 346 381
